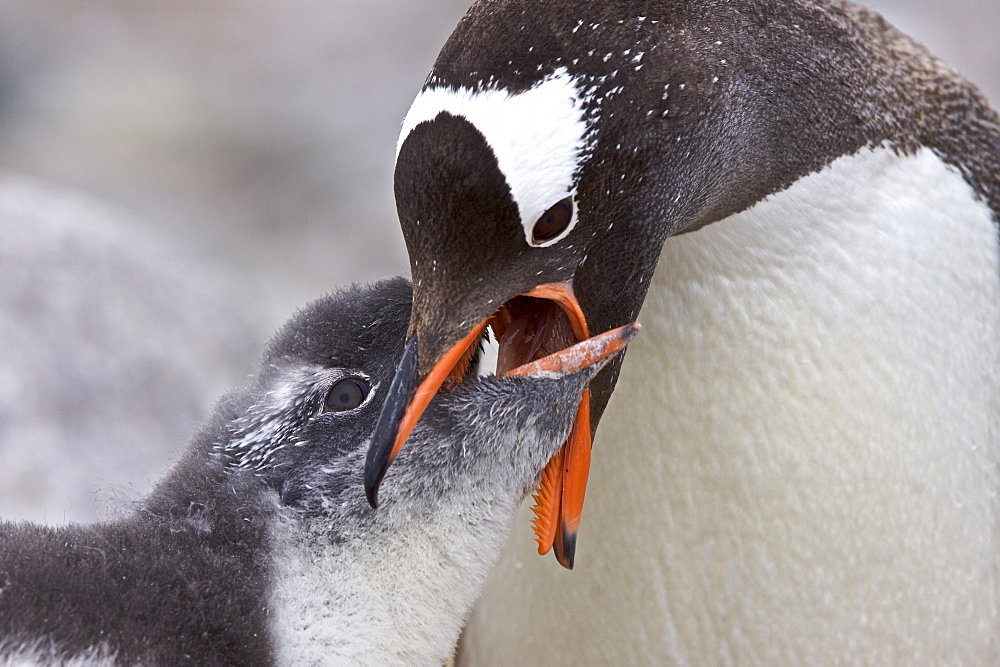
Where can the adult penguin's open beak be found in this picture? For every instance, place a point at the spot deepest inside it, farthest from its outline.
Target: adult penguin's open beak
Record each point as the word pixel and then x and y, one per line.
pixel 542 326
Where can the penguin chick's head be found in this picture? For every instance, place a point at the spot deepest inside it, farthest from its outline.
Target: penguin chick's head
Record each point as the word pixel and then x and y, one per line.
pixel 308 416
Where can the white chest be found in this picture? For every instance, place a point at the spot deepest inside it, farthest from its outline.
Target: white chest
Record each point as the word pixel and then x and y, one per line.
pixel 384 597
pixel 800 460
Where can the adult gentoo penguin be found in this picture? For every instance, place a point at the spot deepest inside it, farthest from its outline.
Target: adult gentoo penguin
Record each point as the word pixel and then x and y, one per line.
pixel 260 547
pixel 801 464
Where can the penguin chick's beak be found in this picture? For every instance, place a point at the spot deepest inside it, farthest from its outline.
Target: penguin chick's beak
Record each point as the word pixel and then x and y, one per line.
pixel 537 332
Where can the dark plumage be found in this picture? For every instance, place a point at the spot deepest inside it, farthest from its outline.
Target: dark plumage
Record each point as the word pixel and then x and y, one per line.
pixel 204 571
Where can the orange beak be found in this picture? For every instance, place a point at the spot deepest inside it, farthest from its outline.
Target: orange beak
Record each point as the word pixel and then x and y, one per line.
pixel 526 331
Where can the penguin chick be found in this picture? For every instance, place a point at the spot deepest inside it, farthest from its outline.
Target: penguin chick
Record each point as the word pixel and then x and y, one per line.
pixel 259 546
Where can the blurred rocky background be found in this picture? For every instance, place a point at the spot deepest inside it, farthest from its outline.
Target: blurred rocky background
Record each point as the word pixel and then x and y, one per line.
pixel 177 177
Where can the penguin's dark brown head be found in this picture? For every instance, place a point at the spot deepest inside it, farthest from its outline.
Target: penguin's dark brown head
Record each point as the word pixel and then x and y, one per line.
pixel 509 235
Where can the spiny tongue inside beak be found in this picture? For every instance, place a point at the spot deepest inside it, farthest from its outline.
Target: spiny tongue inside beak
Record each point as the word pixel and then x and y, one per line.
pixel 536 332
pixel 528 329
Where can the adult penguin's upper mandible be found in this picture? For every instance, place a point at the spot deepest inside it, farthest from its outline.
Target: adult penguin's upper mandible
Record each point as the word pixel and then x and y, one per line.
pixel 555 146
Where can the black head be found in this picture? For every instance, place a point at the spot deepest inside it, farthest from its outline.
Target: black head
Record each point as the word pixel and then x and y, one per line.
pixel 601 108
pixel 651 118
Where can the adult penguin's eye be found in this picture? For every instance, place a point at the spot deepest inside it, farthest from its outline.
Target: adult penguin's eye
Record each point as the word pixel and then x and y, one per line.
pixel 347 394
pixel 553 222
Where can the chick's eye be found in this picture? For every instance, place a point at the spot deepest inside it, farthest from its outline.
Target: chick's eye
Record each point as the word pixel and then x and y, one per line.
pixel 553 222
pixel 347 394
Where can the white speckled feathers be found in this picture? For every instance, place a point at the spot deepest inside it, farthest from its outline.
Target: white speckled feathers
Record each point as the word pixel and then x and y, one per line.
pixel 539 136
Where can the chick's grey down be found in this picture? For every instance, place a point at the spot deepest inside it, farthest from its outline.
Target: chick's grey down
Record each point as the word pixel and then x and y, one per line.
pixel 259 546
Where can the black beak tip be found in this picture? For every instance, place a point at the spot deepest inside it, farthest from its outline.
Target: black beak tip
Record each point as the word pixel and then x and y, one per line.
pixel 632 330
pixel 384 436
pixel 377 460
pixel 373 481
pixel 565 550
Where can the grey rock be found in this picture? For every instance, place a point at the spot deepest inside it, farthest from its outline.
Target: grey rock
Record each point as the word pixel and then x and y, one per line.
pixel 113 345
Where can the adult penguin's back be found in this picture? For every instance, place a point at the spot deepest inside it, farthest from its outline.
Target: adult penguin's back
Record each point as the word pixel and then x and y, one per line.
pixel 800 464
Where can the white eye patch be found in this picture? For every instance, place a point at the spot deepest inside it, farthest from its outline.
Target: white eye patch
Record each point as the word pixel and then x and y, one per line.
pixel 538 136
